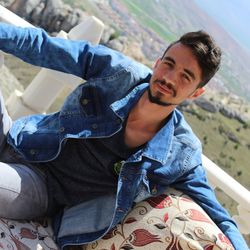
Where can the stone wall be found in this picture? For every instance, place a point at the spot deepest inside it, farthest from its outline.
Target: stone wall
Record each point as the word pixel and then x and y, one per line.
pixel 52 15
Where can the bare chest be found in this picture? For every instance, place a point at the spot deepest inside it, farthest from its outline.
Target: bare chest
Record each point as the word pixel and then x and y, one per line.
pixel 135 136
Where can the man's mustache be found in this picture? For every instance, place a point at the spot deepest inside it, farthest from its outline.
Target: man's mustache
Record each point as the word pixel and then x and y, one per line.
pixel 167 84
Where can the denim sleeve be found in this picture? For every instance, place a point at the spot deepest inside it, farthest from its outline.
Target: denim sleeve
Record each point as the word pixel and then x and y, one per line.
pixel 196 186
pixel 80 58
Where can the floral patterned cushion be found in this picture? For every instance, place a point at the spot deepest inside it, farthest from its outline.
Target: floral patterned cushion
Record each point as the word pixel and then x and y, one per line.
pixel 25 235
pixel 168 221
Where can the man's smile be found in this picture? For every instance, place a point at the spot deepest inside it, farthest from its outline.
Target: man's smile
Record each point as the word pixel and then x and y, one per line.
pixel 165 87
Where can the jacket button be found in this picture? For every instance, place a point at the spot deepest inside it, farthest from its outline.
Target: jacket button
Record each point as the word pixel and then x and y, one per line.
pixel 154 190
pixel 61 129
pixel 32 151
pixel 85 101
pixel 94 126
pixel 119 209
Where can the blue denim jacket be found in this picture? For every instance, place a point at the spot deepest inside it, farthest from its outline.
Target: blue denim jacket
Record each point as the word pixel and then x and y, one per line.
pixel 97 109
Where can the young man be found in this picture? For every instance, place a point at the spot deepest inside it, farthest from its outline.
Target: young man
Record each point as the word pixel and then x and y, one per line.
pixel 117 139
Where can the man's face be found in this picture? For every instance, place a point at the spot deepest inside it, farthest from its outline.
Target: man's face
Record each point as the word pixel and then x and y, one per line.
pixel 175 77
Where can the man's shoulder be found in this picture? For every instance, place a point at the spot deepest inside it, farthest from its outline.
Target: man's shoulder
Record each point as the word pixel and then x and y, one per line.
pixel 119 59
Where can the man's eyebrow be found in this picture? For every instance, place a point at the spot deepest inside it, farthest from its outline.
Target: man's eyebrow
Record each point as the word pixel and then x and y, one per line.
pixel 189 72
pixel 168 58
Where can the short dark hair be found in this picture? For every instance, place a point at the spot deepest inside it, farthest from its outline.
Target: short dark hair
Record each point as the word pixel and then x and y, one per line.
pixel 204 48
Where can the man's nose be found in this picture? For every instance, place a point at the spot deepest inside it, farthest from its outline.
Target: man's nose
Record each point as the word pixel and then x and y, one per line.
pixel 170 77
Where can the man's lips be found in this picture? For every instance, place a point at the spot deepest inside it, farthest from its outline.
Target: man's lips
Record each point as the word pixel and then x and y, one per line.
pixel 166 87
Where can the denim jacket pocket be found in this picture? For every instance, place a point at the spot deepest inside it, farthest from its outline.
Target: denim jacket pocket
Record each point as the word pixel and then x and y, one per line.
pixel 90 101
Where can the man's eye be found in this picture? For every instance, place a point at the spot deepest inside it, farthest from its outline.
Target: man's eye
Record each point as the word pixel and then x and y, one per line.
pixel 169 64
pixel 186 77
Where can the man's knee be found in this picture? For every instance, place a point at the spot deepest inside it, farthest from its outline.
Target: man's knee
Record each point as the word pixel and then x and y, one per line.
pixel 23 194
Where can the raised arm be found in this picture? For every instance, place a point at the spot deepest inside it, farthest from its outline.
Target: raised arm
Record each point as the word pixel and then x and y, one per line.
pixel 80 58
pixel 196 186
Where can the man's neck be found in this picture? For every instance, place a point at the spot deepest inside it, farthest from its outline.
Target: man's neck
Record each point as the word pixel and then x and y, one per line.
pixel 144 121
pixel 149 116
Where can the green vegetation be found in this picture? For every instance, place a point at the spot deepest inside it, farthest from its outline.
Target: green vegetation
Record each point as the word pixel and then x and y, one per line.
pixel 233 82
pixel 85 5
pixel 224 142
pixel 115 35
pixel 215 131
pixel 74 3
pixel 141 12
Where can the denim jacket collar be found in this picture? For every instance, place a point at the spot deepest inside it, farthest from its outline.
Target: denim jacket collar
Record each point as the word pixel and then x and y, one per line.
pixel 124 105
pixel 158 147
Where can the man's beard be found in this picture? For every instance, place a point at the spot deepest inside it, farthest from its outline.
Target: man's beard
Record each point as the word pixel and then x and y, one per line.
pixel 157 99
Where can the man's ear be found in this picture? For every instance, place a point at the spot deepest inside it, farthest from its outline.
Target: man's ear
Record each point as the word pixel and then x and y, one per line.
pixel 198 92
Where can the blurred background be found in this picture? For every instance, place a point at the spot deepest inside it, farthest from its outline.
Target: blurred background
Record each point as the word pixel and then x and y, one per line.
pixel 142 29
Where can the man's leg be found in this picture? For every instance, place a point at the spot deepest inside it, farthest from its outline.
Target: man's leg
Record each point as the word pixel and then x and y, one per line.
pixel 23 192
